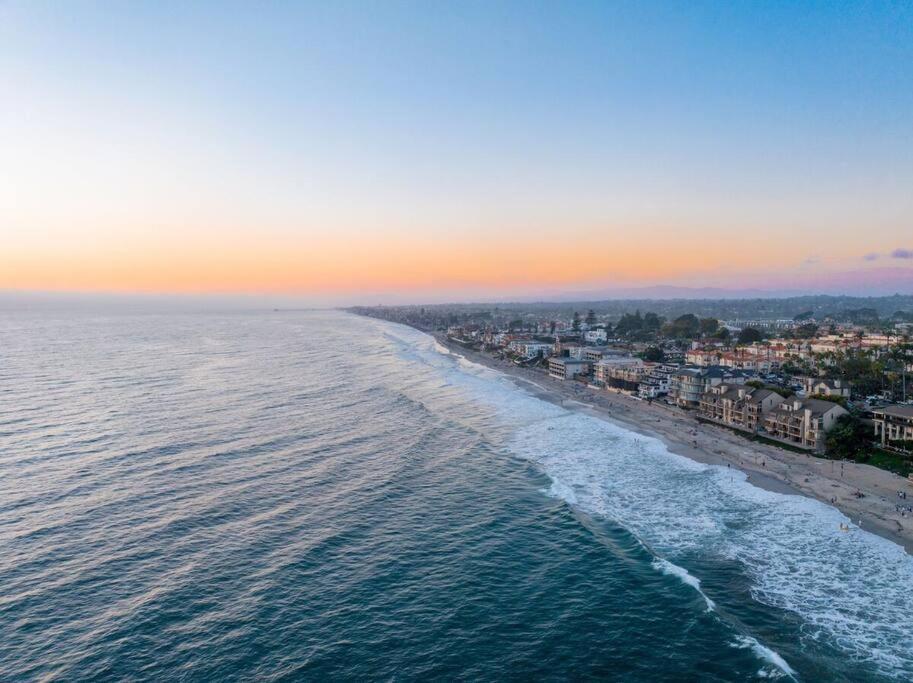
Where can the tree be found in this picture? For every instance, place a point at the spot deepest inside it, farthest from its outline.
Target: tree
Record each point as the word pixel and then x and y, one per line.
pixel 551 327
pixel 654 354
pixel 629 324
pixel 722 333
pixel 847 438
pixel 862 316
pixel 806 331
pixel 684 326
pixel 841 400
pixel 804 315
pixel 709 326
pixel 575 325
pixel 749 335
pixel 652 322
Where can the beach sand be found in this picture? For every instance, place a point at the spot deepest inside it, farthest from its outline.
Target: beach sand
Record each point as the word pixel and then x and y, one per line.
pixel 830 481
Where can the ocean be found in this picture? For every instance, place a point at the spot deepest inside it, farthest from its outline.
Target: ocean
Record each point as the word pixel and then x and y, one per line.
pixel 310 495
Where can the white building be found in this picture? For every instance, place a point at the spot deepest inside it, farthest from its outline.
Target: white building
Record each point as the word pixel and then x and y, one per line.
pixel 657 382
pixel 817 386
pixel 893 423
pixel 597 336
pixel 567 368
pixel 529 349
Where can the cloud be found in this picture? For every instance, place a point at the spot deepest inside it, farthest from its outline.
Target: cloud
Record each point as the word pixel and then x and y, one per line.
pixel 902 253
pixel 811 260
pixel 872 257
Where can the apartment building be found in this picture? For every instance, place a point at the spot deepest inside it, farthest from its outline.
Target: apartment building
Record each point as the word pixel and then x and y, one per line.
pixel 703 358
pixel 745 360
pixel 593 354
pixel 625 377
pixel 687 385
pixel 567 368
pixel 657 381
pixel 825 387
pixel 802 422
pixel 603 369
pixel 893 423
pixel 737 405
pixel 528 348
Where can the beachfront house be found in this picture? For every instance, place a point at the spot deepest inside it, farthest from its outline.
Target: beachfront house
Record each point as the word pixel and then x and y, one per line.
pixel 687 385
pixel 529 349
pixel 657 381
pixel 625 377
pixel 605 367
pixel 802 422
pixel 893 423
pixel 737 405
pixel 567 368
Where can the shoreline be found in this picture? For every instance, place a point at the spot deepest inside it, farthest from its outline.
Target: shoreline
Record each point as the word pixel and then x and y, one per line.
pixel 765 465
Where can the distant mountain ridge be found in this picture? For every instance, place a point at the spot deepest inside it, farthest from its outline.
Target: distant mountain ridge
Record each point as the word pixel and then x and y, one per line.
pixel 669 292
pixel 870 282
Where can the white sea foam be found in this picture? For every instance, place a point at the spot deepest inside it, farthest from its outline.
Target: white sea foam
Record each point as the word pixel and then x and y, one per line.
pixel 559 489
pixel 765 653
pixel 670 569
pixel 851 590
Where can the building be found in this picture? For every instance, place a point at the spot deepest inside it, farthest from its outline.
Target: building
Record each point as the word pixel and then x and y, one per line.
pixel 738 325
pixel 597 336
pixel 703 358
pixel 802 422
pixel 687 385
pixel 567 349
pixel 817 386
pixel 737 405
pixel 657 381
pixel 893 423
pixel 567 368
pixel 604 368
pixel 625 377
pixel 528 348
pixel 742 359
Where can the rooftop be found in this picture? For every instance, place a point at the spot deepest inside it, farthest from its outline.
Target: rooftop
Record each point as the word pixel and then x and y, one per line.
pixel 897 411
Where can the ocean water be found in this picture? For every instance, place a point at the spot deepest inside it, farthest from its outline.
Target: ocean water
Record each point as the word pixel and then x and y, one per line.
pixel 317 496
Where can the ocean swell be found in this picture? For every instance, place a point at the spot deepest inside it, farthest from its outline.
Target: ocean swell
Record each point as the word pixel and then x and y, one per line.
pixel 851 591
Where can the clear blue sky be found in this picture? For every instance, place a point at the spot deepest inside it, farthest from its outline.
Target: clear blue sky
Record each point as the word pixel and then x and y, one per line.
pixel 163 127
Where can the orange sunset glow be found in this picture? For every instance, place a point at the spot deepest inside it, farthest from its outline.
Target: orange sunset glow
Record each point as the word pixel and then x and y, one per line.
pixel 414 170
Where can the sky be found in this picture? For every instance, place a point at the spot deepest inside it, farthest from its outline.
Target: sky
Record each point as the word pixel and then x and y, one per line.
pixel 443 151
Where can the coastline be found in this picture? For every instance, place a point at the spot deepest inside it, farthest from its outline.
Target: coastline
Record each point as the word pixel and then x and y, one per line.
pixel 768 467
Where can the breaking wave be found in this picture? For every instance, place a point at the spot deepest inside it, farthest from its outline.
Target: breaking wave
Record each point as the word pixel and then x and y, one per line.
pixel 669 569
pixel 850 591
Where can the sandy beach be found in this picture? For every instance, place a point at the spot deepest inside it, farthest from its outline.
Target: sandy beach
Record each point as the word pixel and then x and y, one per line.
pixel 832 482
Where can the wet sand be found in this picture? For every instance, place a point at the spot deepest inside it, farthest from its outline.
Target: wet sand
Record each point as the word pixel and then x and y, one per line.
pixel 830 481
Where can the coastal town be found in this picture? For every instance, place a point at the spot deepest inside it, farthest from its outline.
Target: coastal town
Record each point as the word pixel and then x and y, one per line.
pixel 804 392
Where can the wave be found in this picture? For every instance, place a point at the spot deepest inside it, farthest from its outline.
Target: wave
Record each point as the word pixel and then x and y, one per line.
pixel 670 569
pixel 850 590
pixel 765 653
